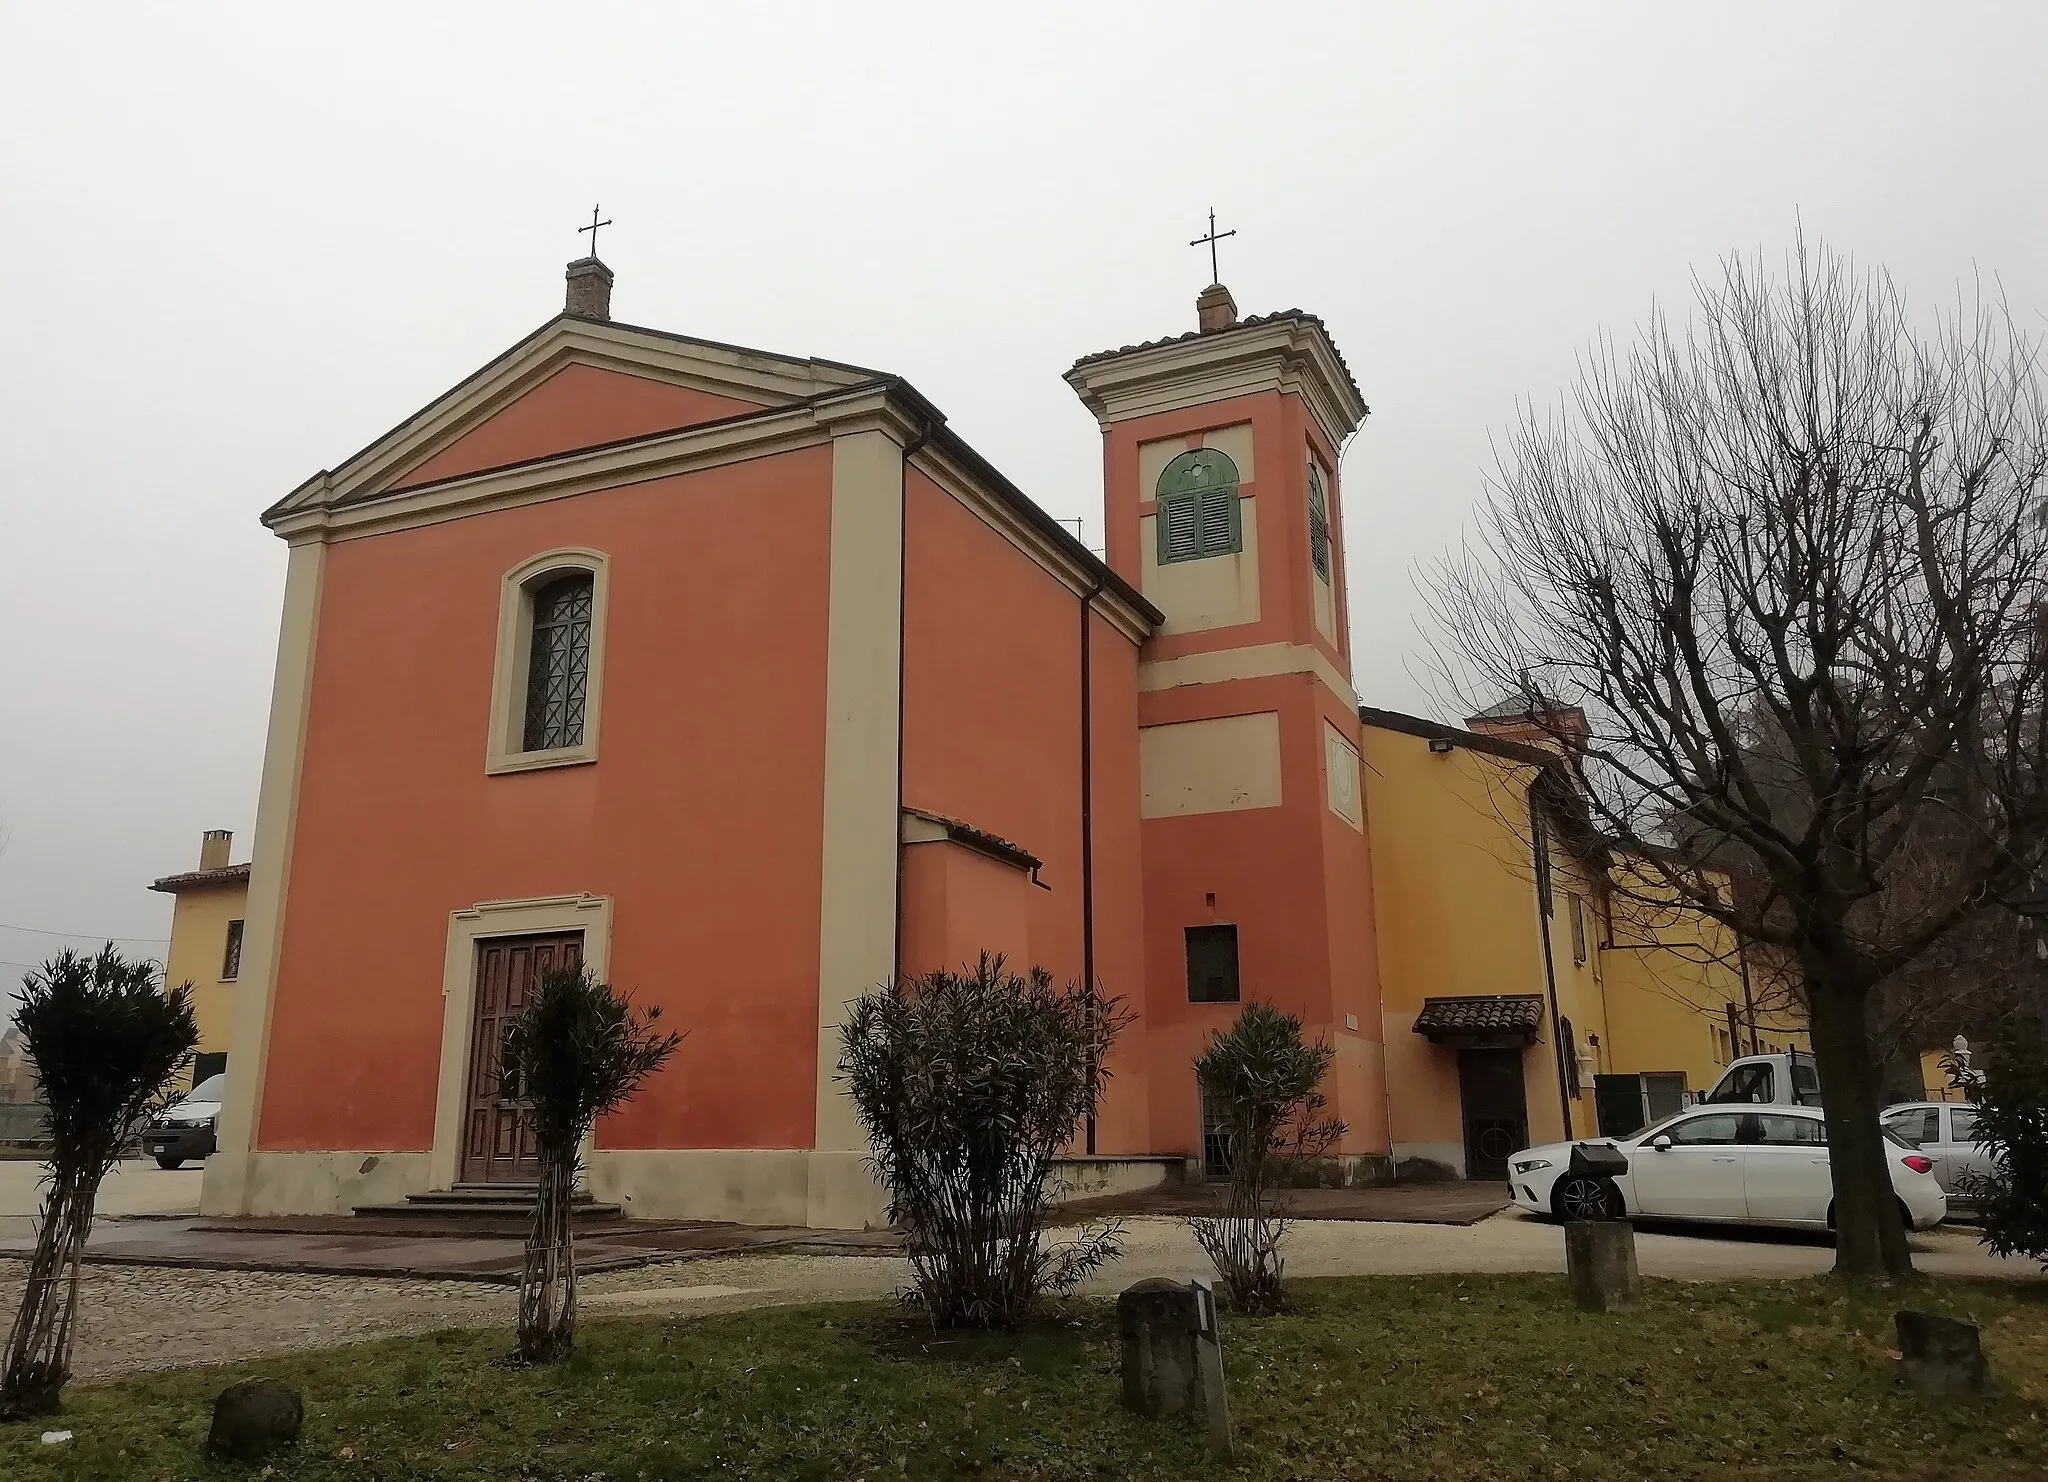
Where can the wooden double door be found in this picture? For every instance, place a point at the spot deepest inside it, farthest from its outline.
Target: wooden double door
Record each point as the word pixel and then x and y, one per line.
pixel 498 1145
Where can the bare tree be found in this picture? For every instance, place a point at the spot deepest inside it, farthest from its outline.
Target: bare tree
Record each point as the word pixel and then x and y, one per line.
pixel 1806 508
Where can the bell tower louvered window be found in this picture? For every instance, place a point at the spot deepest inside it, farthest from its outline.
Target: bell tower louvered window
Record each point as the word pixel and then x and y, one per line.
pixel 558 669
pixel 1318 523
pixel 1198 507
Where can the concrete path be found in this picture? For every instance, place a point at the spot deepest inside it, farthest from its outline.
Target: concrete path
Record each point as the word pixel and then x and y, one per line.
pixel 136 1188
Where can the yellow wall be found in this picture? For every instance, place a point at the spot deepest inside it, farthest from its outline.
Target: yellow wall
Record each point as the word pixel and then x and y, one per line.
pixel 1455 894
pixel 1671 975
pixel 199 932
pixel 1455 900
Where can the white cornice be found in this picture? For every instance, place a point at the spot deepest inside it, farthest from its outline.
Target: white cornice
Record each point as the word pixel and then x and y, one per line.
pixel 723 370
pixel 1082 580
pixel 1282 355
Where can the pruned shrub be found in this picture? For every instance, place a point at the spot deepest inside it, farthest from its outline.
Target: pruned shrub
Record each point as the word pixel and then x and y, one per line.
pixel 968 1085
pixel 576 1051
pixel 1264 1082
pixel 2012 1124
pixel 106 1038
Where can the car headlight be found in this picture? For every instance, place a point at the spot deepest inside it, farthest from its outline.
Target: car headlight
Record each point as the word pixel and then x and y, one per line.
pixel 1531 1165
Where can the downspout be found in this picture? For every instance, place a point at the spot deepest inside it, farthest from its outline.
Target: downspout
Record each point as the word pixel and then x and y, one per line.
pixel 1088 813
pixel 1541 847
pixel 924 435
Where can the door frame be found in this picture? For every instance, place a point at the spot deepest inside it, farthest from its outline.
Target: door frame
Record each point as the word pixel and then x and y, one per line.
pixel 536 915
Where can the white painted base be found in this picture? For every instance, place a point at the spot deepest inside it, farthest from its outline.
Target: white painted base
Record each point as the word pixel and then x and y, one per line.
pixel 317 1183
pixel 1099 1177
pixel 750 1186
pixel 1451 1154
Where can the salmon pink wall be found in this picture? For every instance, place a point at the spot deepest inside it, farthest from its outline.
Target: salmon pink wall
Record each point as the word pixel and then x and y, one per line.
pixel 957 904
pixel 701 817
pixel 578 406
pixel 991 736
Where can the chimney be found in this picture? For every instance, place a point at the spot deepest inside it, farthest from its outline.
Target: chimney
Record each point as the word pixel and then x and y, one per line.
pixel 213 849
pixel 590 290
pixel 1215 309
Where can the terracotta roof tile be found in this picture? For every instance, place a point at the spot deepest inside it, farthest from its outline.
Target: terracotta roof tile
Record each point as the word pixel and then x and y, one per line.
pixel 226 875
pixel 980 839
pixel 1486 1014
pixel 1298 315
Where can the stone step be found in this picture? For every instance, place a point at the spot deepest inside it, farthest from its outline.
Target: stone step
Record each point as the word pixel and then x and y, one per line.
pixel 482 1202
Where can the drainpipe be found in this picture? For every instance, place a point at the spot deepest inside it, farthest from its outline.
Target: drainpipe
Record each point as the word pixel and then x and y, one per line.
pixel 1541 848
pixel 1088 814
pixel 924 435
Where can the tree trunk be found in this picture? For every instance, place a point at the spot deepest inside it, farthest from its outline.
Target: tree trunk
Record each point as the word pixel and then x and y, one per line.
pixel 38 1358
pixel 547 1280
pixel 1870 1235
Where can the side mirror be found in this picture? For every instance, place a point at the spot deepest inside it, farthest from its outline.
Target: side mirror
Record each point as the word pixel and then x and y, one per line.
pixel 1662 1143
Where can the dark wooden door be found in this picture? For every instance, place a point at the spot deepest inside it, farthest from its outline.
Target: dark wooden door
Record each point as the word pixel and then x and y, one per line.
pixel 497 1142
pixel 1496 1114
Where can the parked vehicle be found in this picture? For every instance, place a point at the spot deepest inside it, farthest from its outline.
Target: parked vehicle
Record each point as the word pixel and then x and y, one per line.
pixel 1789 1079
pixel 185 1130
pixel 1728 1165
pixel 1946 1131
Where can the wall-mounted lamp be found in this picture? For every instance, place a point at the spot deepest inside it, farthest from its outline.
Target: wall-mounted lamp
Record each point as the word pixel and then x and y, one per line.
pixel 1441 744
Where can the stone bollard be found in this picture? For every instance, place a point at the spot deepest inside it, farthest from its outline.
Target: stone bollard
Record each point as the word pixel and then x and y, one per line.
pixel 255 1418
pixel 1173 1353
pixel 1941 1355
pixel 1600 1264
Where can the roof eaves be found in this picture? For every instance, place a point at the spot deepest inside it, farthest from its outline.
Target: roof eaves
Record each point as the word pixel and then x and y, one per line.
pixel 197 879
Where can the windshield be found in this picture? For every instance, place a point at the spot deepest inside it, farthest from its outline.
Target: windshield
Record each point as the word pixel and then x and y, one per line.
pixel 213 1088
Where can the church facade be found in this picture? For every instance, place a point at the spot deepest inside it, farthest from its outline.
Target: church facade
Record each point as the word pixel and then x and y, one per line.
pixel 745 680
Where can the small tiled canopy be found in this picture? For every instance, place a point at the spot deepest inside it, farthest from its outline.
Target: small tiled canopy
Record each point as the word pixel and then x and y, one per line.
pixel 1497 1014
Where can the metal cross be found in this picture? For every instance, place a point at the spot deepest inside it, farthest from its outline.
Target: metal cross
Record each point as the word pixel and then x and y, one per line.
pixel 595 224
pixel 1215 275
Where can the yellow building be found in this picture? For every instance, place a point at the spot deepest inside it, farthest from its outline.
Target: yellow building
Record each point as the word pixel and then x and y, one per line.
pixel 1516 1009
pixel 206 943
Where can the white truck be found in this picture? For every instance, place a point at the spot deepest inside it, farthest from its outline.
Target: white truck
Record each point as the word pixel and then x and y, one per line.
pixel 1768 1080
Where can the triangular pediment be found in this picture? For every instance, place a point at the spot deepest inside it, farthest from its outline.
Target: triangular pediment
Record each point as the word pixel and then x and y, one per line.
pixel 574 383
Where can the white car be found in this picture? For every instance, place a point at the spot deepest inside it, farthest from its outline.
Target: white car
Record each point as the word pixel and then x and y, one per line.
pixel 1765 1165
pixel 1946 1131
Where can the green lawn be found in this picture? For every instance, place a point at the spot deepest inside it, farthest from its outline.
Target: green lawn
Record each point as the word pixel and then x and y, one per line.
pixel 1413 1377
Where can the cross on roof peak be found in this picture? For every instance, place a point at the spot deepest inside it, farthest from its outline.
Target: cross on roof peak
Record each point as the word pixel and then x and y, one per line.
pixel 592 228
pixel 1214 236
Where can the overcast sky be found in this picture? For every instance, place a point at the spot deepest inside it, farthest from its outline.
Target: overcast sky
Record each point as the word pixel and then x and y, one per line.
pixel 241 242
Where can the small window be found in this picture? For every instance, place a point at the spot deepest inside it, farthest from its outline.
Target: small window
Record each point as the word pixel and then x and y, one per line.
pixel 1962 1125
pixel 1198 507
pixel 1919 1126
pixel 1578 915
pixel 1752 1084
pixel 1318 523
pixel 1774 1129
pixel 1714 1131
pixel 1568 1043
pixel 1664 1093
pixel 231 954
pixel 1212 964
pixel 558 670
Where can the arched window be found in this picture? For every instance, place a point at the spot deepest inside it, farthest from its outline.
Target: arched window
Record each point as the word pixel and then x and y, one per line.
pixel 1318 523
pixel 547 679
pixel 1198 514
pixel 558 666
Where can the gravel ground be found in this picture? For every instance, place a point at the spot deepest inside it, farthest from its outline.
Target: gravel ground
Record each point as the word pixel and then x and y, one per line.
pixel 148 1318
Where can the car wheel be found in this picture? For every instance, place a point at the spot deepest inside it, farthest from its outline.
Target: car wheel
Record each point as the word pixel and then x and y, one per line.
pixel 1579 1196
pixel 168 1164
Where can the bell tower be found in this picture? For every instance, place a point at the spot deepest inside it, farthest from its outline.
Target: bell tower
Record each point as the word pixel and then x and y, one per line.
pixel 1222 505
